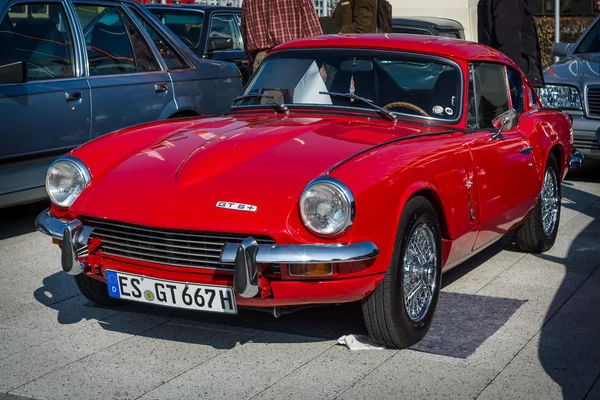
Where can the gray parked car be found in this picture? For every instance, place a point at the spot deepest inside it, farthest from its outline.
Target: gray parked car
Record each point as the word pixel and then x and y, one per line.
pixel 71 71
pixel 573 85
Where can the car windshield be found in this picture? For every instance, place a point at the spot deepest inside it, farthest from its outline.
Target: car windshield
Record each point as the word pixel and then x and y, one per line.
pixel 405 84
pixel 591 41
pixel 186 24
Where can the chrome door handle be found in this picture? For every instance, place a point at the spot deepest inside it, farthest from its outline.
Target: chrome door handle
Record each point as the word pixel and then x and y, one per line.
pixel 161 87
pixel 73 95
pixel 526 150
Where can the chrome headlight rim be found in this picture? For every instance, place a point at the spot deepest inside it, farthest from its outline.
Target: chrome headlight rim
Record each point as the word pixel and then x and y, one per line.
pixel 346 195
pixel 82 170
pixel 574 88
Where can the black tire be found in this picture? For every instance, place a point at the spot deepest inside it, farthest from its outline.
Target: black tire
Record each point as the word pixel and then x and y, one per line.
pixel 384 313
pixel 530 236
pixel 95 291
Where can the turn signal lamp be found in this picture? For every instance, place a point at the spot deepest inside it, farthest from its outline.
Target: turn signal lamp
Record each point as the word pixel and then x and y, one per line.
pixel 323 269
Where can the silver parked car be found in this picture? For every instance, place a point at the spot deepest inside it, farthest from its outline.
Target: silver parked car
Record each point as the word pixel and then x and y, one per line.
pixel 71 71
pixel 573 85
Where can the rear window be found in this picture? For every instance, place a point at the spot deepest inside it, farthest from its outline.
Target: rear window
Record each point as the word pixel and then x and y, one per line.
pixel 187 25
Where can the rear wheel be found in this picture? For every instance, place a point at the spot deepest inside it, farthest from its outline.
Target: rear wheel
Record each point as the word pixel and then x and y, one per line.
pixel 538 232
pixel 95 291
pixel 399 311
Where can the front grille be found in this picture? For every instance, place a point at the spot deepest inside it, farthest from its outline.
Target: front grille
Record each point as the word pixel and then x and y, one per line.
pixel 586 144
pixel 593 100
pixel 162 246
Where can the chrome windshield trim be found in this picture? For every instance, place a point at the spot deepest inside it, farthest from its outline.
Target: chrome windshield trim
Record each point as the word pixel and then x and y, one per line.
pixel 432 57
pixel 305 253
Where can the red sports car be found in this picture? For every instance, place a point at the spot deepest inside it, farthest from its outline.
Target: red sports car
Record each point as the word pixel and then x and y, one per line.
pixel 352 168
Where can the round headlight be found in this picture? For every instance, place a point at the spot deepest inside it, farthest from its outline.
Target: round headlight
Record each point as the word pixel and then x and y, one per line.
pixel 66 179
pixel 327 207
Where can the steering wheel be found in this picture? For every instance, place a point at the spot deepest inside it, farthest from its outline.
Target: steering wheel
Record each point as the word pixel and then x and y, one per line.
pixel 406 105
pixel 187 41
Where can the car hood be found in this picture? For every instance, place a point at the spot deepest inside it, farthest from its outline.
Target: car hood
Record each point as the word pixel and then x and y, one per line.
pixel 578 70
pixel 177 180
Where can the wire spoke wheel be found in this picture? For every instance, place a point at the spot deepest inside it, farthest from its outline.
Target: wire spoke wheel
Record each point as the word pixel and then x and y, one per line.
pixel 550 201
pixel 419 272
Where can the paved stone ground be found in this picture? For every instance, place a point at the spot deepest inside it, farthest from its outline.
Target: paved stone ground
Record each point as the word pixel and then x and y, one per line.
pixel 511 326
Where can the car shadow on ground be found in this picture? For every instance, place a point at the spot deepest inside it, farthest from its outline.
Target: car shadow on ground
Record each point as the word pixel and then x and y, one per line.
pixel 332 322
pixel 568 347
pixel 20 220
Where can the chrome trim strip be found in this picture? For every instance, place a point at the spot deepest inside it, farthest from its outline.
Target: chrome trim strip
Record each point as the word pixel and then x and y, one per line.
pixel 306 253
pixel 78 163
pixel 400 139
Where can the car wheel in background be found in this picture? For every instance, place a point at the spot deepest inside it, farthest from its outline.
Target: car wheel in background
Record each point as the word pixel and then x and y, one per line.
pixel 399 311
pixel 538 233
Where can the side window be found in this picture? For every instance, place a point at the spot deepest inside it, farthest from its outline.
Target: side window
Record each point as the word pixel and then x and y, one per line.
pixel 488 94
pixel 225 26
pixel 172 59
pixel 515 84
pixel 113 44
pixel 38 34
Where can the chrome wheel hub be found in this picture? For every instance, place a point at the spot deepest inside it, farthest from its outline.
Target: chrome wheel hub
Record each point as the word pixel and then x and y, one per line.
pixel 550 202
pixel 419 272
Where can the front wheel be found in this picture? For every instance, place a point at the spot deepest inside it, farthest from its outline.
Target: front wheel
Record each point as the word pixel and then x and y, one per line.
pixel 538 232
pixel 399 311
pixel 95 291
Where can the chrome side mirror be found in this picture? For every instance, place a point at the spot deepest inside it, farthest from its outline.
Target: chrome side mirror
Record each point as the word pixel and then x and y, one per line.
pixel 506 120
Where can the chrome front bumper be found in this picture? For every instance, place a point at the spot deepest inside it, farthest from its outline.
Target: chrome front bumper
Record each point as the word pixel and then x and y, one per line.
pixel 246 256
pixel 576 160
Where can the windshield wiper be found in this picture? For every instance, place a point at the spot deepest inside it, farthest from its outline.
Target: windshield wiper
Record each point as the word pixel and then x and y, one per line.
pixel 369 102
pixel 281 106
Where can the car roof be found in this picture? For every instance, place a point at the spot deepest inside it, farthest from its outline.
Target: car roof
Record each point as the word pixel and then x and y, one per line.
pixel 434 22
pixel 423 44
pixel 204 7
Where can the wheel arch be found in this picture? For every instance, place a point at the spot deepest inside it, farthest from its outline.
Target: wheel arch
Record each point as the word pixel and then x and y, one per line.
pixel 558 152
pixel 433 197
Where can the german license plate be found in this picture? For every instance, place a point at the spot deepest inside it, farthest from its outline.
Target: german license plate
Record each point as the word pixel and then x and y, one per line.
pixel 219 299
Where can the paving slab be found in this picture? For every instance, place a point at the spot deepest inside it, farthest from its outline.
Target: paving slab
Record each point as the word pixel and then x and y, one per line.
pixel 246 370
pixel 134 366
pixel 415 375
pixel 327 375
pixel 563 359
pixel 34 362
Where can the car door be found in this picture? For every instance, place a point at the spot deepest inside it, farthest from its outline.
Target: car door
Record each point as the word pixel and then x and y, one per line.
pixel 47 113
pixel 505 173
pixel 225 26
pixel 128 84
pixel 205 89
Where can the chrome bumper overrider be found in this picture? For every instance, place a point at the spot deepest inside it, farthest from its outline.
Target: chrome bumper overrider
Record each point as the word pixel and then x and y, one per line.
pixel 73 235
pixel 246 256
pixel 576 160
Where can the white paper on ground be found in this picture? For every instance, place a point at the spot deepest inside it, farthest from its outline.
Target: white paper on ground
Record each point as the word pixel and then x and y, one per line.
pixel 358 342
